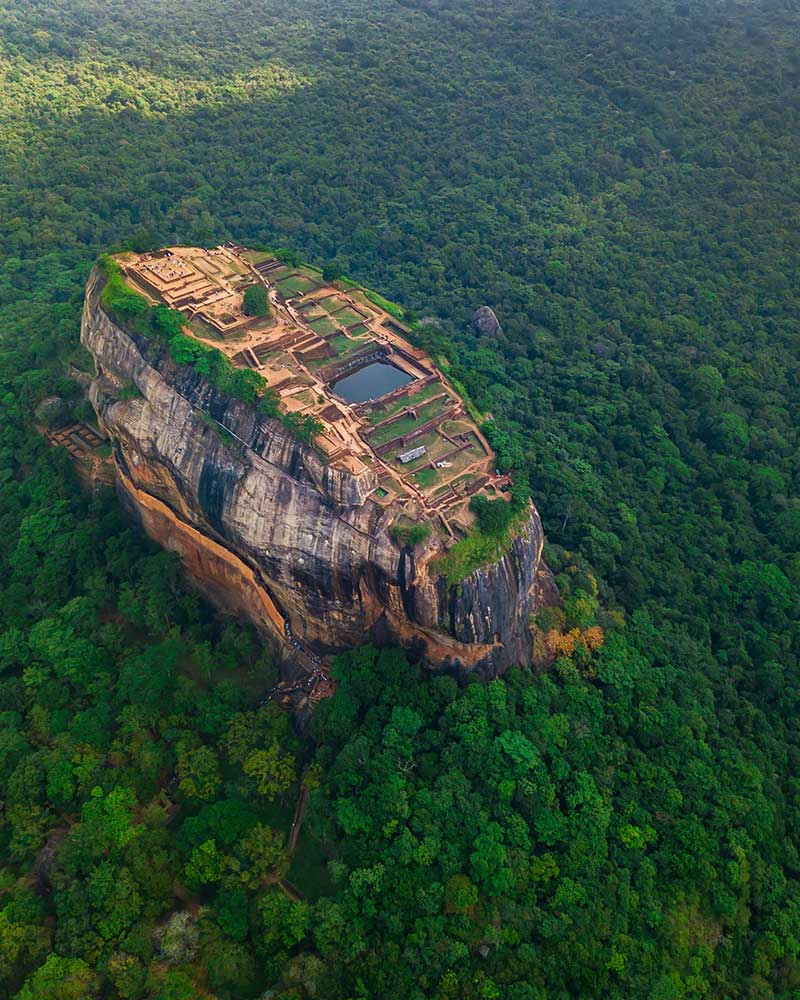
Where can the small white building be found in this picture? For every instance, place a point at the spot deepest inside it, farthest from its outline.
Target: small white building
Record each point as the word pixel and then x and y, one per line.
pixel 409 456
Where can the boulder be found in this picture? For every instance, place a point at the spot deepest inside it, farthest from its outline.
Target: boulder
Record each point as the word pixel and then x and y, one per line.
pixel 486 323
pixel 51 412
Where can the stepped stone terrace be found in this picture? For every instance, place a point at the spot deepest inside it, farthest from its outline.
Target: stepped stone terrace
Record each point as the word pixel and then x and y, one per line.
pixel 330 351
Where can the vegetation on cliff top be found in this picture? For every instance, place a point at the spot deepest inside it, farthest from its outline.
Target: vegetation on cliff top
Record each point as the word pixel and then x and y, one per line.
pixel 488 541
pixel 133 311
pixel 406 532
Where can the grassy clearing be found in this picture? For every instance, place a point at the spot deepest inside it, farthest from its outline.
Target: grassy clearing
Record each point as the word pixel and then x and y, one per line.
pixel 331 303
pixel 395 328
pixel 393 430
pixel 262 325
pixel 399 404
pixel 348 316
pixel 304 398
pixel 426 477
pixel 310 310
pixel 454 427
pixel 257 256
pixel 464 458
pixel 313 363
pixel 342 345
pixel 295 284
pixel 281 272
pixel 430 441
pixel 406 424
pixel 323 326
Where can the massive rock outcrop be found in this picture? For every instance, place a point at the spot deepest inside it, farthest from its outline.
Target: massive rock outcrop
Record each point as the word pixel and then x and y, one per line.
pixel 267 529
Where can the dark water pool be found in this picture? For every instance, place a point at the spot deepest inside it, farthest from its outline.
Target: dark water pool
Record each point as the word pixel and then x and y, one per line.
pixel 371 382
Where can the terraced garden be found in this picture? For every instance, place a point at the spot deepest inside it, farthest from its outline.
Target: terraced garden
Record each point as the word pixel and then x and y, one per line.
pixel 405 425
pixel 379 413
pixel 323 326
pixel 296 284
pixel 348 317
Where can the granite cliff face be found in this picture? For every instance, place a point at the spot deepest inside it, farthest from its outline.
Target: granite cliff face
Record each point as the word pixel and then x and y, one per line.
pixel 265 528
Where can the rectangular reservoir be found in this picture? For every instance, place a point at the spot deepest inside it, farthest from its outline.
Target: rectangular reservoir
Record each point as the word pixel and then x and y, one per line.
pixel 371 382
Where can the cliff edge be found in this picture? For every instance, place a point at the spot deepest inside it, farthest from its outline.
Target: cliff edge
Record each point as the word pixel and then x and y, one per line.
pixel 269 527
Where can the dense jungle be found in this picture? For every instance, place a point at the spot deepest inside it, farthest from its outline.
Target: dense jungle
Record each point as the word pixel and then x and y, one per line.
pixel 618 180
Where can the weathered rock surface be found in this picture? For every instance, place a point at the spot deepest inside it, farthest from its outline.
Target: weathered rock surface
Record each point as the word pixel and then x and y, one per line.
pixel 486 323
pixel 265 528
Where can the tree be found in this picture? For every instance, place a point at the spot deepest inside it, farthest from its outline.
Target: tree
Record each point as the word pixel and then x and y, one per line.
pixel 459 894
pixel 255 301
pixel 198 770
pixel 231 910
pixel 331 271
pixel 494 516
pixel 305 427
pixel 60 979
pixel 178 939
pixel 271 771
pixel 262 853
pixel 285 921
pixel 707 382
pixel 205 864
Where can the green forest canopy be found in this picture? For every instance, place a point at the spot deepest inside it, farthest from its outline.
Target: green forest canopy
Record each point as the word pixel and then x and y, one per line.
pixel 618 181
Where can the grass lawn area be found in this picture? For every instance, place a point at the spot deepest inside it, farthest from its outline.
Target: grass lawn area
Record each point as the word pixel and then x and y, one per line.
pixel 393 430
pixel 200 328
pixel 435 446
pixel 382 413
pixel 331 303
pixel 295 284
pixel 395 328
pixel 279 273
pixel 262 326
pixel 309 870
pixel 359 331
pixel 464 459
pixel 461 481
pixel 213 267
pixel 341 346
pixel 370 298
pixel 323 326
pixel 304 398
pixel 313 363
pixel 310 310
pixel 348 316
pixel 454 427
pixel 426 477
pixel 406 424
pixel 257 256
